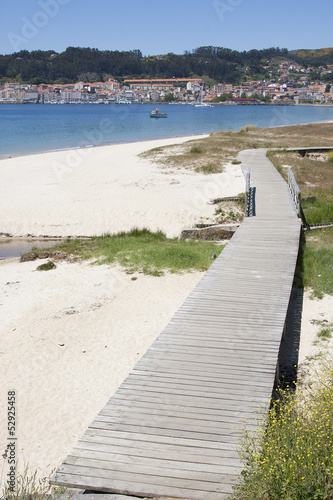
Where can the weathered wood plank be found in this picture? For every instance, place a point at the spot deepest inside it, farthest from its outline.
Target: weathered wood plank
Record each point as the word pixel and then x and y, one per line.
pixel 71 479
pixel 148 478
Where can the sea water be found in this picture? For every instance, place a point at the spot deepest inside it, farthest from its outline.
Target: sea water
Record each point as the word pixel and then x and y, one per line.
pixel 33 128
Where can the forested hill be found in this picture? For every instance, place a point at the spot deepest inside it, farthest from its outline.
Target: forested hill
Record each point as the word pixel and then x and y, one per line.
pixel 216 63
pixel 315 57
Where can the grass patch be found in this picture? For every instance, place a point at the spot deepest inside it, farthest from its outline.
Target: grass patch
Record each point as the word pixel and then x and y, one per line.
pixel 325 333
pixel 330 156
pixel 47 266
pixel 318 268
pixel 318 209
pixel 141 250
pixel 314 269
pixel 290 457
pixel 222 147
pixel 29 486
pixel 196 150
pixel 248 128
pixel 229 212
pixel 315 180
pixel 210 168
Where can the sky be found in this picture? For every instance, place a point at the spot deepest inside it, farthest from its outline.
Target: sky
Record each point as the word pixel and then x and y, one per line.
pixel 159 27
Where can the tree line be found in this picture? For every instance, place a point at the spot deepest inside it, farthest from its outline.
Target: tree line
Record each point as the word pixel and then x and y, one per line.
pixel 89 64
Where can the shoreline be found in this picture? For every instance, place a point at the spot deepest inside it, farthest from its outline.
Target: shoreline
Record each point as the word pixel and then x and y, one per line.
pixel 91 146
pixel 62 168
pixel 61 195
pixel 7 156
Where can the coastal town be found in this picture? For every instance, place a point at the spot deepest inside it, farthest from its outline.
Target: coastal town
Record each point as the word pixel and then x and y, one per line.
pixel 289 84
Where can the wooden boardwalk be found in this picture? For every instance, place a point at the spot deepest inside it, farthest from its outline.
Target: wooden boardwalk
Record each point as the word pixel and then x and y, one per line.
pixel 172 427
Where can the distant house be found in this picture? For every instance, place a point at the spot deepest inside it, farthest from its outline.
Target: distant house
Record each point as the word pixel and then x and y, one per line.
pixel 288 99
pixel 193 86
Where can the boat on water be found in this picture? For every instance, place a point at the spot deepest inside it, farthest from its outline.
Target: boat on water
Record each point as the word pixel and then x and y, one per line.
pixel 157 114
pixel 203 105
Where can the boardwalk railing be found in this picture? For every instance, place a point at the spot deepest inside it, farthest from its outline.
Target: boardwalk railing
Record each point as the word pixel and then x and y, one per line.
pixel 247 193
pixel 295 192
pixel 249 196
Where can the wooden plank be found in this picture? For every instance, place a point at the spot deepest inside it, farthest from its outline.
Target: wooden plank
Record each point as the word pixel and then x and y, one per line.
pixel 202 456
pixel 225 435
pixel 151 472
pixel 174 423
pixel 157 442
pixel 140 411
pixel 186 462
pixel 148 478
pixel 191 384
pixel 71 479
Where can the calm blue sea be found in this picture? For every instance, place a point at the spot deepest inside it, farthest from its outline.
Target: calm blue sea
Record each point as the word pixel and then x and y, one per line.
pixel 31 128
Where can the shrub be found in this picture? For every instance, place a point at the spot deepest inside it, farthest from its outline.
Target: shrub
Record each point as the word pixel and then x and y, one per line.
pixel 330 156
pixel 291 457
pixel 196 150
pixel 210 168
pixel 47 266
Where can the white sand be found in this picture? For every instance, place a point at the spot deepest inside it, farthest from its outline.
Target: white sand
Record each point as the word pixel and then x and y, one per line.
pixel 70 336
pixel 317 313
pixel 106 189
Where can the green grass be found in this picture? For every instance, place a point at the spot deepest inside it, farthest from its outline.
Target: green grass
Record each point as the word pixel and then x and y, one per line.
pixel 330 156
pixel 209 168
pixel 318 272
pixel 140 250
pixel 314 269
pixel 47 266
pixel 196 150
pixel 290 458
pixel 315 179
pixel 28 486
pixel 222 147
pixel 319 209
pixel 325 333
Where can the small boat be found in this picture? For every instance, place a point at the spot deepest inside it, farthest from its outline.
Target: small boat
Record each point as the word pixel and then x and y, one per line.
pixel 157 114
pixel 203 105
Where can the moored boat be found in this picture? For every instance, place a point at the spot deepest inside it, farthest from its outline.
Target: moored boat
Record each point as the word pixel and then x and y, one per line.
pixel 157 114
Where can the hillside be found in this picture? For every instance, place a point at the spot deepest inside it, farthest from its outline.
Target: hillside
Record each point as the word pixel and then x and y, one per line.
pixel 314 57
pixel 218 64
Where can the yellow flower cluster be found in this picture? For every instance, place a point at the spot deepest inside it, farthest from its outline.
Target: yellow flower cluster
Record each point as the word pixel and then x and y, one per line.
pixel 291 456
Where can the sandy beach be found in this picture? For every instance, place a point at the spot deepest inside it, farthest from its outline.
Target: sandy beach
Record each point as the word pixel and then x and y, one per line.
pixel 91 191
pixel 69 337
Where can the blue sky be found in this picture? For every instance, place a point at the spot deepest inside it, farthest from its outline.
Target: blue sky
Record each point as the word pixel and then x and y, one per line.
pixel 158 27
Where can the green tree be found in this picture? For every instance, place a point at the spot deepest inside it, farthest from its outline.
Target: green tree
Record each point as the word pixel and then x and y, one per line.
pixel 169 97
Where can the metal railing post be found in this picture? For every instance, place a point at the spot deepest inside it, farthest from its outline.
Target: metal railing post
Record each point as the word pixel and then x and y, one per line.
pixel 294 192
pixel 248 193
